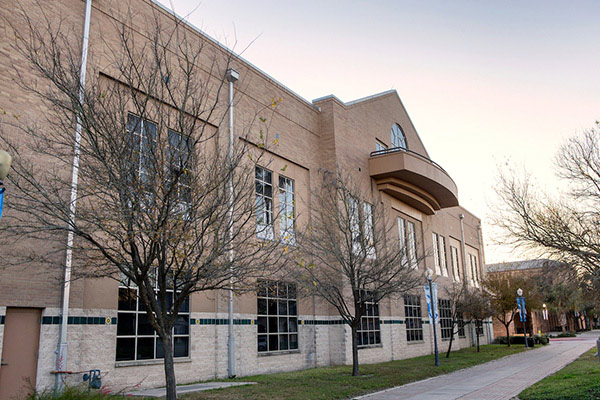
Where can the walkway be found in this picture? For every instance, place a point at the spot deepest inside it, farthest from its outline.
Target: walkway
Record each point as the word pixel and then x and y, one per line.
pixel 497 380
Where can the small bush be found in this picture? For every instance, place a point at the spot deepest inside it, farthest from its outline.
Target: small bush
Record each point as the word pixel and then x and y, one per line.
pixel 70 393
pixel 566 334
pixel 538 339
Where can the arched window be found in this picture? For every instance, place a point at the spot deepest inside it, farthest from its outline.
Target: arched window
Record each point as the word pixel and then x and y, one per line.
pixel 398 138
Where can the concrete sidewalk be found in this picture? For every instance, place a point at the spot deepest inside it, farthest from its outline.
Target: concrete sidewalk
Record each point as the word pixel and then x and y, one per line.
pixel 497 380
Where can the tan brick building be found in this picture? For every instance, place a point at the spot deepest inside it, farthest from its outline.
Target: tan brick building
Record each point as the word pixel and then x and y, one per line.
pixel 372 137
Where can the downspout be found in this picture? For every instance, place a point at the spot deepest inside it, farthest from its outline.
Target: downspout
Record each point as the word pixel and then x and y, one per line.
pixel 461 217
pixel 61 351
pixel 232 76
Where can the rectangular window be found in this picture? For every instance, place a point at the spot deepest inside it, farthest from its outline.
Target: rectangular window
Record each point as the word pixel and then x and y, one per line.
pixel 136 339
pixel 474 270
pixel 369 332
pixel 178 153
pixel 354 224
pixel 286 210
pixel 445 312
pixel 380 146
pixel 408 241
pixel 455 263
pixel 439 254
pixel 461 328
pixel 403 240
pixel 277 316
pixel 412 313
pixel 369 230
pixel 264 203
pixel 479 328
pixel 142 141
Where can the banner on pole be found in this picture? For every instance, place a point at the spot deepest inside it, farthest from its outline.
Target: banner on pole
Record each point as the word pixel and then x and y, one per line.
pixel 428 298
pixel 522 309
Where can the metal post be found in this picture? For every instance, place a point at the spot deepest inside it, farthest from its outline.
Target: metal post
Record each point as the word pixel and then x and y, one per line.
pixel 61 351
pixel 232 76
pixel 435 346
pixel 525 331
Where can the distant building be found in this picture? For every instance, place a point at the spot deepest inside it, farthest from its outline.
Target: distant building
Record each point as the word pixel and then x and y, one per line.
pixel 538 321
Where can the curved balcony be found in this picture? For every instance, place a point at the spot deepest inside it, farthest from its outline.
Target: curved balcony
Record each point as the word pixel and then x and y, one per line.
pixel 413 179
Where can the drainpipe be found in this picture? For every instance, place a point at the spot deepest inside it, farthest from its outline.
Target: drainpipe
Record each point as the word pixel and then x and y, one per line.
pixel 61 351
pixel 461 217
pixel 232 76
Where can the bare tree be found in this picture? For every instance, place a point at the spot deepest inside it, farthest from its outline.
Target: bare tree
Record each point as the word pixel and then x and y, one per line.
pixel 349 256
pixel 455 294
pixel 162 204
pixel 477 308
pixel 563 226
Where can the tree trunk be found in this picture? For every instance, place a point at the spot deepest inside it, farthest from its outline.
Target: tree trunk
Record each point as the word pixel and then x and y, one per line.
pixel 450 344
pixel 167 342
pixel 477 334
pixel 507 334
pixel 355 350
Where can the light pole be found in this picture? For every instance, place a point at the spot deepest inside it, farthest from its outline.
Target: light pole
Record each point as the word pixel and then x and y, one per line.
pixel 522 313
pixel 432 302
pixel 5 160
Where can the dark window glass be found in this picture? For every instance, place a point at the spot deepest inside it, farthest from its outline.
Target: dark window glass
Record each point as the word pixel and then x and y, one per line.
pixel 369 324
pixel 125 349
pixel 445 315
pixel 277 316
pixel 145 348
pixel 125 324
pixel 127 299
pixel 412 312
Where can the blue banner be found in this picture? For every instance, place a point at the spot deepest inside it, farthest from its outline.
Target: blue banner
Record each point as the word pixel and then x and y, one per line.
pixel 522 310
pixel 428 300
pixel 1 199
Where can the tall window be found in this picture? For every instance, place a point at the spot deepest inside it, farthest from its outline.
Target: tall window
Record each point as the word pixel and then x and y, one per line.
pixel 380 146
pixel 264 203
pixel 461 328
pixel 142 137
pixel 369 230
pixel 178 161
pixel 277 316
pixel 397 137
pixel 412 312
pixel 439 254
pixel 455 263
pixel 408 240
pixel 369 332
pixel 445 310
pixel 136 339
pixel 286 210
pixel 474 269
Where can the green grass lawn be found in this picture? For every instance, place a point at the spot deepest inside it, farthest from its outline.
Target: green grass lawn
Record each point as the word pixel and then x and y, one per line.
pixel 579 380
pixel 337 382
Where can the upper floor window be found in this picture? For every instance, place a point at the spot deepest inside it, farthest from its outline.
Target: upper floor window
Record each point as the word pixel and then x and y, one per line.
pixel 397 137
pixel 439 254
pixel 179 153
pixel 142 142
pixel 408 241
pixel 363 234
pixel 474 269
pixel 264 203
pixel 380 146
pixel 286 210
pixel 455 263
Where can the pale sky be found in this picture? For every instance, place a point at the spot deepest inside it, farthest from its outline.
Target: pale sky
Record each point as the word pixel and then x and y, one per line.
pixel 485 83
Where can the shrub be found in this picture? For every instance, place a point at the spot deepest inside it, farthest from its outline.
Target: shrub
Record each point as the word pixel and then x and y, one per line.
pixel 538 339
pixel 70 393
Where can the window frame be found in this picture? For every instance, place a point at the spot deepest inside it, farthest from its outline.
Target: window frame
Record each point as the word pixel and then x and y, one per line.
pixel 287 210
pixel 183 313
pixel 380 146
pixel 445 316
pixel 183 154
pixel 263 230
pixel 413 314
pixel 455 261
pixel 439 254
pixel 142 146
pixel 271 296
pixel 370 324
pixel 407 233
pixel 397 137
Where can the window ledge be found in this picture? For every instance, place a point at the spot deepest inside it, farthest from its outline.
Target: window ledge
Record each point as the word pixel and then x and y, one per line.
pixel 370 346
pixel 278 353
pixel 137 363
pixel 415 342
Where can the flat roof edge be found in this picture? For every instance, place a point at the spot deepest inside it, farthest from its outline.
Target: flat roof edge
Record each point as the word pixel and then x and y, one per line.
pixel 239 57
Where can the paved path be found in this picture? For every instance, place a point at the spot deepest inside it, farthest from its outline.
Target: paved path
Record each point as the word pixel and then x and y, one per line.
pixel 197 387
pixel 497 380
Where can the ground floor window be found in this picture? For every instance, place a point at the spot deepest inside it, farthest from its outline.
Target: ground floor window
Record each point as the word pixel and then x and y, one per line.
pixel 479 328
pixel 136 339
pixel 369 332
pixel 277 317
pixel 412 312
pixel 445 315
pixel 461 328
